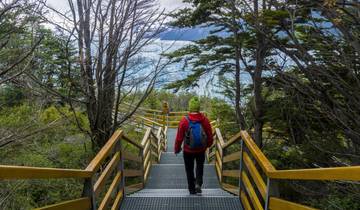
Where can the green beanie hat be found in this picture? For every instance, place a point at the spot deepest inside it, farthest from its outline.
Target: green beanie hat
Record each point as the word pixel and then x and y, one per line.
pixel 194 104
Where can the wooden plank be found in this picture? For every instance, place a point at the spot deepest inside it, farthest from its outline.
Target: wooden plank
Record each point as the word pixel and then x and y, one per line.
pixel 218 159
pixel 118 199
pixel 79 204
pixel 132 142
pixel 100 183
pixel 218 170
pixel 147 159
pixel 212 154
pixel 132 173
pixel 279 204
pixel 154 145
pixel 230 188
pixel 351 173
pixel 146 148
pixel 250 190
pixel 245 201
pixel 155 155
pixel 233 139
pixel 128 156
pixel 219 136
pixel 257 153
pixel 23 172
pixel 149 121
pixel 107 198
pixel 232 157
pixel 146 173
pixel 104 152
pixel 134 188
pixel 219 148
pixel 231 173
pixel 255 175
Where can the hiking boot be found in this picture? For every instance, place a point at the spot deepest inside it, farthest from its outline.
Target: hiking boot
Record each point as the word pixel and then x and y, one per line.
pixel 198 188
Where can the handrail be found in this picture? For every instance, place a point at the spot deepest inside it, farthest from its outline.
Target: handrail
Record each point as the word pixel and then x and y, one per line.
pixel 250 155
pixel 264 163
pixel 104 152
pixel 349 173
pixel 23 172
pixel 82 203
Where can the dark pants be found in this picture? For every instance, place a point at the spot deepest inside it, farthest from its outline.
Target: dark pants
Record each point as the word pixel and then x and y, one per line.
pixel 189 159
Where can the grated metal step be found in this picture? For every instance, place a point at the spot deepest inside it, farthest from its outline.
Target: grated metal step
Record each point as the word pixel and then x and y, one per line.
pixel 171 158
pixel 173 176
pixel 180 193
pixel 181 203
pixel 166 187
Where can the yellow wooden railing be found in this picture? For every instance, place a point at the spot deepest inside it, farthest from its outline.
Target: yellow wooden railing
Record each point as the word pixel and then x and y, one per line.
pixel 257 176
pixel 108 163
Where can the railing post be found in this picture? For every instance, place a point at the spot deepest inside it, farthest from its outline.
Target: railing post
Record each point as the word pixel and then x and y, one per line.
pixel 88 191
pixel 120 168
pixel 241 164
pixel 141 154
pixel 272 190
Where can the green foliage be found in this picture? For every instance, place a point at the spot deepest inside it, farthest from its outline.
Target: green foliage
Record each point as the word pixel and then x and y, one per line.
pixel 11 96
pixel 59 146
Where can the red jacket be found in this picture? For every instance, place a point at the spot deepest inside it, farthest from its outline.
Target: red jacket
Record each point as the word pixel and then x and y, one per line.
pixel 184 125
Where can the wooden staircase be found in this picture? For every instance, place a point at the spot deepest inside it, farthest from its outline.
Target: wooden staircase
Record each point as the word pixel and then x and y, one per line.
pixel 238 167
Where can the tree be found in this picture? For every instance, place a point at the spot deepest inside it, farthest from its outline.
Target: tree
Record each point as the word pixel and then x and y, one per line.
pixel 16 49
pixel 218 54
pixel 111 36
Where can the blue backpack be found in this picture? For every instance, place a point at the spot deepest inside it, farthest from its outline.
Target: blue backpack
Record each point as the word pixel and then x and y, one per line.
pixel 195 136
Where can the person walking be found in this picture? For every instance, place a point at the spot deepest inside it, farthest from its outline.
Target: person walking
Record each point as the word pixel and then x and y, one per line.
pixel 195 133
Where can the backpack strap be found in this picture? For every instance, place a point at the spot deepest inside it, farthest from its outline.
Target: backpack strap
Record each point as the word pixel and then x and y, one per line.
pixel 187 118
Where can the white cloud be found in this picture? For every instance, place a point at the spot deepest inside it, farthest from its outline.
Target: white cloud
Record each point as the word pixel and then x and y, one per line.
pixel 167 4
pixel 171 4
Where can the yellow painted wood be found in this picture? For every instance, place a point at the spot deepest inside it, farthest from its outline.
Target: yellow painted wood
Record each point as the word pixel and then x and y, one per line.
pixel 134 143
pixel 220 137
pixel 22 172
pixel 134 188
pixel 146 148
pixel 132 173
pixel 233 139
pixel 78 204
pixel 132 157
pixel 231 173
pixel 351 173
pixel 255 175
pixel 230 188
pixel 154 154
pixel 100 183
pixel 212 154
pixel 245 201
pixel 218 158
pixel 147 159
pixel 250 190
pixel 279 204
pixel 155 146
pixel 118 199
pixel 149 120
pixel 257 153
pixel 219 148
pixel 107 198
pixel 232 157
pixel 104 152
pixel 219 173
pixel 147 170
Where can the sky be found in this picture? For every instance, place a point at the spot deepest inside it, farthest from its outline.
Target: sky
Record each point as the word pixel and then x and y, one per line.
pixel 167 4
